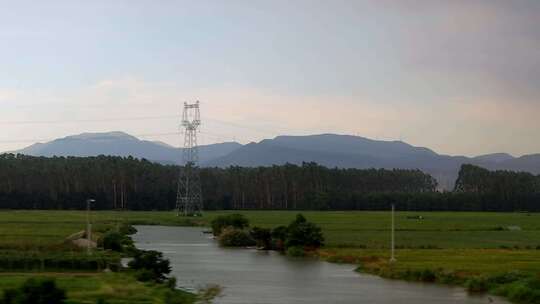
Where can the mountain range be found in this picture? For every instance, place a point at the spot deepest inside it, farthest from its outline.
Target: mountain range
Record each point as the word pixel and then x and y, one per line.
pixel 122 144
pixel 331 150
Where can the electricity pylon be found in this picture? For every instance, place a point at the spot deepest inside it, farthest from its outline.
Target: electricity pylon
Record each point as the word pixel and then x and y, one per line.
pixel 189 195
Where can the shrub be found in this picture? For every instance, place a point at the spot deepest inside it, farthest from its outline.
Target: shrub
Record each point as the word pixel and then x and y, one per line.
pixel 127 229
pixel 113 241
pixel 145 275
pixel 231 237
pixel 171 283
pixel 35 291
pixel 279 234
pixel 524 291
pixel 150 265
pixel 506 278
pixel 303 233
pixel 237 221
pixel 296 251
pixel 262 237
pixel 477 284
pixel 428 275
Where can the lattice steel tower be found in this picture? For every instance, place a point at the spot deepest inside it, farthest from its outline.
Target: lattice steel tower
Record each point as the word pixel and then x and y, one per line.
pixel 189 196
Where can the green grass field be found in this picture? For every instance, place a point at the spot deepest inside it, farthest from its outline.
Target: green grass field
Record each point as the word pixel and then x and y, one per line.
pixel 87 288
pixel 31 229
pixel 437 229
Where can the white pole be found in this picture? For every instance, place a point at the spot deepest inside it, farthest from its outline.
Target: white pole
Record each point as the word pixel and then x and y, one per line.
pixel 88 228
pixel 393 257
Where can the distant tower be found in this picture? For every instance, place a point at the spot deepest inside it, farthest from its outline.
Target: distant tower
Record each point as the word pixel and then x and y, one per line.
pixel 189 198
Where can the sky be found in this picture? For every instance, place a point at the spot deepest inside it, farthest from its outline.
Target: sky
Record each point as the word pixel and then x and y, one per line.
pixel 461 77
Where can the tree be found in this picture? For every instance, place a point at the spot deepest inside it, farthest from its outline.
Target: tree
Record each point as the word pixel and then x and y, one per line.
pixel 301 233
pixel 151 265
pixel 28 182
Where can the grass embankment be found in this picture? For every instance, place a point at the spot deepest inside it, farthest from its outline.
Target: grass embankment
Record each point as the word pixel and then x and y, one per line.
pixel 115 288
pixel 448 247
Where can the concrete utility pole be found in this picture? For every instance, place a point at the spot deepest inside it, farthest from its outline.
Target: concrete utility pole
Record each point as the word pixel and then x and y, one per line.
pixel 189 196
pixel 88 225
pixel 393 257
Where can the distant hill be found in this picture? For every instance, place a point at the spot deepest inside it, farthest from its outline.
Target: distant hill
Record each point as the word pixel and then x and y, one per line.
pixel 526 163
pixel 494 157
pixel 330 150
pixel 122 144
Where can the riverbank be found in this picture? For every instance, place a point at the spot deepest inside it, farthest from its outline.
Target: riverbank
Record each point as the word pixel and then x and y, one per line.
pixel 512 274
pixel 470 245
pixel 482 252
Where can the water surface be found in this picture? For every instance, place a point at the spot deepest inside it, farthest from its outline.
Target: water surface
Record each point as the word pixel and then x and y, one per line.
pixel 260 277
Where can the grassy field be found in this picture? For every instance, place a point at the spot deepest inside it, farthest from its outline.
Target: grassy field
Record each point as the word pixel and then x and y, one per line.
pixel 465 244
pixel 88 288
pixel 28 238
pixel 42 229
pixel 437 229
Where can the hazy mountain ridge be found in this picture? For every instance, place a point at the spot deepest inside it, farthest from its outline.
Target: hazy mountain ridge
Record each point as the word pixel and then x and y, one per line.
pixel 330 150
pixel 122 144
pixel 357 152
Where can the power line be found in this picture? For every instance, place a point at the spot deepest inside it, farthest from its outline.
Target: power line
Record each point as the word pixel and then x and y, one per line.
pixel 114 119
pixel 30 122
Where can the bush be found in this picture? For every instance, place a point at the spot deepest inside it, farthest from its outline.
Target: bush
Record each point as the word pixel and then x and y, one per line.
pixel 35 291
pixel 171 283
pixel 262 237
pixel 279 234
pixel 145 275
pixel 428 275
pixel 127 229
pixel 112 240
pixel 296 251
pixel 524 291
pixel 231 237
pixel 303 233
pixel 237 221
pixel 151 265
pixel 506 278
pixel 477 284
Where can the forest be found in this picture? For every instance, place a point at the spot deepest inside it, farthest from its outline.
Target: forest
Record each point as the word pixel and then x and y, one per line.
pixel 131 184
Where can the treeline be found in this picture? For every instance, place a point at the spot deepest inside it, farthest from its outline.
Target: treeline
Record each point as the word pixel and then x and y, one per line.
pixel 499 190
pixel 126 183
pixel 309 186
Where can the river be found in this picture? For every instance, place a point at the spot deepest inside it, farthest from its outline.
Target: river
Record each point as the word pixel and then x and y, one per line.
pixel 260 277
